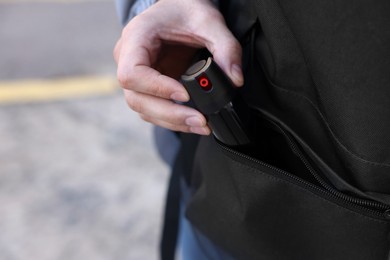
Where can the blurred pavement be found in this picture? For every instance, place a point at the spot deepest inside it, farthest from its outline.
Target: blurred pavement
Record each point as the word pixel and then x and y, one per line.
pixel 79 177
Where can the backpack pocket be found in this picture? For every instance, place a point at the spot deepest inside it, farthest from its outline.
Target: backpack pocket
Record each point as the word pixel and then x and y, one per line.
pixel 259 206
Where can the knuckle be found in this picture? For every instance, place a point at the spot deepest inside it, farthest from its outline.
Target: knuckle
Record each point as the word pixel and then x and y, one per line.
pixel 177 117
pixel 146 118
pixel 126 79
pixel 134 103
pixel 157 89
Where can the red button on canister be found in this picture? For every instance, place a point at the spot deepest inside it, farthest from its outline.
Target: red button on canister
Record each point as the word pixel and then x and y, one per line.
pixel 204 82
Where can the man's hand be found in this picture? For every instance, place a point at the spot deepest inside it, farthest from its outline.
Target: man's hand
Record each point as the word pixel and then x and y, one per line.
pixel 155 49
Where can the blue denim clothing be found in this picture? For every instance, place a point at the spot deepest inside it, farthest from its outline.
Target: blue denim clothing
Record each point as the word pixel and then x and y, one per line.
pixel 127 9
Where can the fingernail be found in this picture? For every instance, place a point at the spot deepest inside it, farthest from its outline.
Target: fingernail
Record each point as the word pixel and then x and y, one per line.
pixel 194 121
pixel 237 75
pixel 180 96
pixel 200 130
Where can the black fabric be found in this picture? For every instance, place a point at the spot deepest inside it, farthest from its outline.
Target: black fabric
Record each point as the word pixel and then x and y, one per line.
pixel 254 212
pixel 329 66
pixel 320 70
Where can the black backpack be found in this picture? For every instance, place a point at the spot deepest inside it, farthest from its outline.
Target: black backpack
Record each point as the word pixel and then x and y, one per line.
pixel 318 184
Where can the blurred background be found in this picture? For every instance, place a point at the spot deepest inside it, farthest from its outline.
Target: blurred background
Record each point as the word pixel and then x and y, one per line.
pixel 79 177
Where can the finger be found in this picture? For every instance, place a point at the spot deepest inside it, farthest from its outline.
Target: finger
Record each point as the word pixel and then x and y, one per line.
pixel 223 45
pixel 117 49
pixel 146 80
pixel 205 130
pixel 164 110
pixel 135 70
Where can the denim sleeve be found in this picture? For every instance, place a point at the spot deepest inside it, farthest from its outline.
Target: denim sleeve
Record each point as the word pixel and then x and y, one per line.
pixel 127 9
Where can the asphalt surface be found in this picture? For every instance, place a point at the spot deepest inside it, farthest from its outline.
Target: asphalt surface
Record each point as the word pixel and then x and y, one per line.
pixel 79 177
pixel 57 39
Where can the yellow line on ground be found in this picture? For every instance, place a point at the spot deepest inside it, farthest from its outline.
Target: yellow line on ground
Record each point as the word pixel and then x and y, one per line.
pixel 37 90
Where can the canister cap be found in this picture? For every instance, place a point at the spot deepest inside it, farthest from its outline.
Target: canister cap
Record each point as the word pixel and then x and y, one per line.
pixel 197 69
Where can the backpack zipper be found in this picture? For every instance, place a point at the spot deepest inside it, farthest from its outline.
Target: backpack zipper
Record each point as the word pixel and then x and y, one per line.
pixel 375 208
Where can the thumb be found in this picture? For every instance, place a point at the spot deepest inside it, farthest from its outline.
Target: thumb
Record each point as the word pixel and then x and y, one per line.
pixel 225 48
pixel 229 59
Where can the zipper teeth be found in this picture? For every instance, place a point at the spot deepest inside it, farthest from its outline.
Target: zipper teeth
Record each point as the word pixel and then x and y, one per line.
pixel 335 195
pixel 367 203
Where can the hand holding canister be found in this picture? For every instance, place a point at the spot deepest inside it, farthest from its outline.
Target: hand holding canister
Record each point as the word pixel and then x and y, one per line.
pixel 213 94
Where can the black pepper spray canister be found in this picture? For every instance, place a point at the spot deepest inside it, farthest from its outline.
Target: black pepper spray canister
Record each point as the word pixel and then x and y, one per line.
pixel 215 96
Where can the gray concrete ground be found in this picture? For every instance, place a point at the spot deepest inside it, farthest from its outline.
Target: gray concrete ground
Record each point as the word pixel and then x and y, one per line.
pixel 79 179
pixel 57 39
